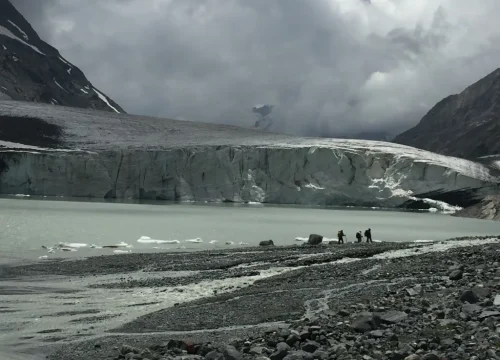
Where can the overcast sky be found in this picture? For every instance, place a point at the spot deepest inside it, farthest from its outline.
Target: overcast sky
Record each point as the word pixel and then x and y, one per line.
pixel 327 66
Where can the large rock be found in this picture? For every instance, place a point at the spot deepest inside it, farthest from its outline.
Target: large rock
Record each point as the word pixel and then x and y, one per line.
pixel 496 302
pixel 299 355
pixel 471 309
pixel 456 275
pixel 469 296
pixel 366 322
pixel 487 314
pixel 315 239
pixel 310 346
pixel 266 243
pixel 430 357
pixel 214 355
pixel 393 316
pixel 282 350
pixel 230 353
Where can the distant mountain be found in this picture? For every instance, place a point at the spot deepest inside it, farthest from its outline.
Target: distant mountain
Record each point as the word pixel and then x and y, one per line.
pixel 466 125
pixel 32 70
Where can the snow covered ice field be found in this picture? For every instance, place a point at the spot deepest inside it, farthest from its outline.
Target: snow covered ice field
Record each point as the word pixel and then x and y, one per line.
pixel 87 153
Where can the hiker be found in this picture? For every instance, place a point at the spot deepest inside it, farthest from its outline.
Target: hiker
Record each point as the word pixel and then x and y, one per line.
pixel 368 235
pixel 359 236
pixel 341 235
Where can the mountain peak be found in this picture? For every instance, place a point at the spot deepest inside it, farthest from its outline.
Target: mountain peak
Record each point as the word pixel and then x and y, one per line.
pixel 465 125
pixel 32 70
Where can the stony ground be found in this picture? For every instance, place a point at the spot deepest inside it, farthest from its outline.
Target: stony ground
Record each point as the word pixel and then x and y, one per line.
pixel 438 305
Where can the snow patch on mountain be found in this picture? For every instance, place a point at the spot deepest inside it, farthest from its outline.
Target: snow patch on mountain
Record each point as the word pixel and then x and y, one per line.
pixel 25 36
pixel 103 98
pixel 64 61
pixel 6 32
pixel 59 85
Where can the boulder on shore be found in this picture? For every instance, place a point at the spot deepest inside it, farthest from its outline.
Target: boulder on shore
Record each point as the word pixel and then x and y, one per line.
pixel 315 239
pixel 266 243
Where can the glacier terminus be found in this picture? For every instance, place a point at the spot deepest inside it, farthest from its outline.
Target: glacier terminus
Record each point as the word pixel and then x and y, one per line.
pixel 88 153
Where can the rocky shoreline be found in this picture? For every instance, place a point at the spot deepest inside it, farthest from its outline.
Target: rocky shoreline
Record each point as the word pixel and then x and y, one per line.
pixel 358 301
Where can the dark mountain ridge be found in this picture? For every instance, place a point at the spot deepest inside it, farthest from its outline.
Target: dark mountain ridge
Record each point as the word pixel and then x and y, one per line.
pixel 465 125
pixel 32 70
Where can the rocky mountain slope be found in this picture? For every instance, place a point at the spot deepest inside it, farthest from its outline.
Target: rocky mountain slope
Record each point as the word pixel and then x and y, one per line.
pixel 487 209
pixel 78 152
pixel 466 125
pixel 32 70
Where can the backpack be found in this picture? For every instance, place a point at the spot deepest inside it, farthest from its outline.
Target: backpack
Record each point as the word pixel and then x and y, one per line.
pixel 367 233
pixel 339 234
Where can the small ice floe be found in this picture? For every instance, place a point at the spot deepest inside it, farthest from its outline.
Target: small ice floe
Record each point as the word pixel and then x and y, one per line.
pixel 301 239
pixel 115 246
pixel 244 243
pixel 122 251
pixel 63 246
pixel 423 241
pixel 229 243
pixel 72 245
pixel 196 241
pixel 213 241
pixel 43 257
pixel 377 241
pixel 148 240
pixel 94 246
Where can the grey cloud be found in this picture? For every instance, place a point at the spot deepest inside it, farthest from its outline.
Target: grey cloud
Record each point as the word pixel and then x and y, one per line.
pixel 328 66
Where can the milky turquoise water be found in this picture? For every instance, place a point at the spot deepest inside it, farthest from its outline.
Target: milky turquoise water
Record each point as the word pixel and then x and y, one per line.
pixel 27 224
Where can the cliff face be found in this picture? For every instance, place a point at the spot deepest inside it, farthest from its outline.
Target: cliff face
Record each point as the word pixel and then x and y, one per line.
pixel 32 70
pixel 466 125
pixel 75 152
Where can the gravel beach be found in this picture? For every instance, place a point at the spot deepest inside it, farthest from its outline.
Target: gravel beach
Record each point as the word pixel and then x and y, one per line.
pixel 353 301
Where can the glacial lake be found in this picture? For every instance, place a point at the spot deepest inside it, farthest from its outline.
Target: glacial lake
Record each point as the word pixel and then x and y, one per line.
pixel 28 224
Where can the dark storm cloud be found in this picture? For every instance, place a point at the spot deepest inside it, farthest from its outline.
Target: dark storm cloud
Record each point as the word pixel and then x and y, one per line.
pixel 327 66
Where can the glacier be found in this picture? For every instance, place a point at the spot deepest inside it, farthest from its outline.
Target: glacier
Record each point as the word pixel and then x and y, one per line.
pixel 108 155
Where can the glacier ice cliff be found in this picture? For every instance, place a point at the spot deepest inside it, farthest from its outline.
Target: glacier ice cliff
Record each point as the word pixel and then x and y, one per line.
pixel 103 155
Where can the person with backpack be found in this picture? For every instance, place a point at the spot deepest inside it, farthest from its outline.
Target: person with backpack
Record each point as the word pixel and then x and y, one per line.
pixel 359 236
pixel 368 235
pixel 341 235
